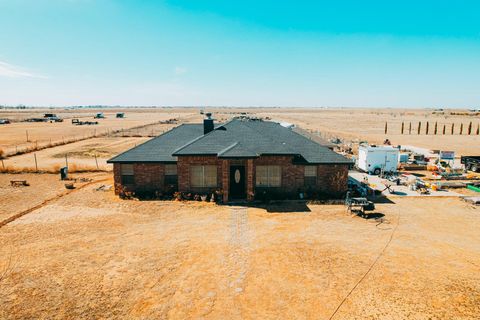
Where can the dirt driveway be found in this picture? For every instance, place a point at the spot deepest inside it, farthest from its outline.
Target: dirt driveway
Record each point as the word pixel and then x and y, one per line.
pixel 90 255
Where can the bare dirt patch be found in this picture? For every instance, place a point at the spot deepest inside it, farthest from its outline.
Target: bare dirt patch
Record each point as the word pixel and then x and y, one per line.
pixel 161 259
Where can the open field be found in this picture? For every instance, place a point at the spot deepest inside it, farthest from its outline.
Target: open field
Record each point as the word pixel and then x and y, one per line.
pixel 154 259
pixel 162 259
pixel 369 125
pixel 79 154
pixel 14 136
pixel 347 124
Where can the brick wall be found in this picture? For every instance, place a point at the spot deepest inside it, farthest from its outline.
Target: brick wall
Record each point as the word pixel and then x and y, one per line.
pixel 183 171
pixel 292 175
pixel 148 176
pixel 331 179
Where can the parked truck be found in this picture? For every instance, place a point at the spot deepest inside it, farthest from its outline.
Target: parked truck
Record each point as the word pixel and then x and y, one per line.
pixel 471 163
pixel 377 159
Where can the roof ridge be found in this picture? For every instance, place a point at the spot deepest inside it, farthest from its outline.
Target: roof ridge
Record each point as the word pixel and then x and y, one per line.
pixel 199 137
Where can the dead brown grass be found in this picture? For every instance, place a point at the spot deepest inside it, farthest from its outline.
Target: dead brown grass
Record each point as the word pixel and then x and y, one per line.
pixel 72 168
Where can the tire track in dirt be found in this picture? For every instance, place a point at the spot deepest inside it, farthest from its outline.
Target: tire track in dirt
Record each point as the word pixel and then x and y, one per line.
pixel 47 202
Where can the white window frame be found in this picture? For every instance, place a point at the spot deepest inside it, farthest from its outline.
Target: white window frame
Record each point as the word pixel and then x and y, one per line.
pixel 270 177
pixel 205 180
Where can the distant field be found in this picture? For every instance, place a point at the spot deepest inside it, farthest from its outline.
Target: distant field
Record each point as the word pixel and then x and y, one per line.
pixel 14 135
pixel 141 124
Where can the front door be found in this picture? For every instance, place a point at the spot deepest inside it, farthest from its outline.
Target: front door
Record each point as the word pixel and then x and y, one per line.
pixel 237 182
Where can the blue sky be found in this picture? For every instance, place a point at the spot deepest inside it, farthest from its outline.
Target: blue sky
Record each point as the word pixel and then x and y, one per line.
pixel 240 53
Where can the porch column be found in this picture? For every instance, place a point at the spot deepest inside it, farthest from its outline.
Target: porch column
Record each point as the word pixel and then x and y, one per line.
pixel 250 190
pixel 225 179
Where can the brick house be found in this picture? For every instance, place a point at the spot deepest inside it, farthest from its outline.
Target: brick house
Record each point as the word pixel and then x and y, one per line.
pixel 242 158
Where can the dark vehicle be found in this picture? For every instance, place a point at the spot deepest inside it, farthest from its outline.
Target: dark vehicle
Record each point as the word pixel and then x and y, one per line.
pixel 4 121
pixel 37 120
pixel 50 115
pixel 471 163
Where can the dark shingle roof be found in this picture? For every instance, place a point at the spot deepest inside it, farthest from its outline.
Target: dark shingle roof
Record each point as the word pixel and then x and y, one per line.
pixel 247 138
pixel 160 149
pixel 239 138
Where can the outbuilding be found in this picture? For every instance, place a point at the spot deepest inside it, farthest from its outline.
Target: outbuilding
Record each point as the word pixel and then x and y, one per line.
pixel 241 158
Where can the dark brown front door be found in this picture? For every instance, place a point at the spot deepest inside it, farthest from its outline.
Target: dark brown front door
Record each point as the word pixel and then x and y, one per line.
pixel 237 182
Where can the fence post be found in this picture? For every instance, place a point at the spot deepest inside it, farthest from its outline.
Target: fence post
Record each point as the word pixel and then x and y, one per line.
pixel 36 164
pixel 470 128
pixel 96 161
pixel 419 127
pixel 403 126
pixel 428 126
pixel 461 128
pixel 410 128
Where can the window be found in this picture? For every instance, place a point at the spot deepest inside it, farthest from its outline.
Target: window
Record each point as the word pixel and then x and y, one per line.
pixel 269 176
pixel 170 169
pixel 310 175
pixel 126 171
pixel 171 177
pixel 203 176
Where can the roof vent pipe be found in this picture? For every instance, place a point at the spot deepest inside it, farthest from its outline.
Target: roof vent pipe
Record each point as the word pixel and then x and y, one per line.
pixel 208 125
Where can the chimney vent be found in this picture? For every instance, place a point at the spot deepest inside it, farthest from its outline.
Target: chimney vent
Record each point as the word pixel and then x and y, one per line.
pixel 208 123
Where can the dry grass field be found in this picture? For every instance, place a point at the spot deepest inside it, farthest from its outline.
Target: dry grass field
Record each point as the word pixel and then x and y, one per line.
pixel 91 255
pixel 369 125
pixel 14 135
pixel 84 254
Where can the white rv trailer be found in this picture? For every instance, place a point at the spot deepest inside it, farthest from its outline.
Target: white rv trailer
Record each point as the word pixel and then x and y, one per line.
pixel 375 159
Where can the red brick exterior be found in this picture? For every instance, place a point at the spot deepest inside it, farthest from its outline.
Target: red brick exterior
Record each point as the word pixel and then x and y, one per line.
pixel 331 179
pixel 147 176
pixel 183 171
